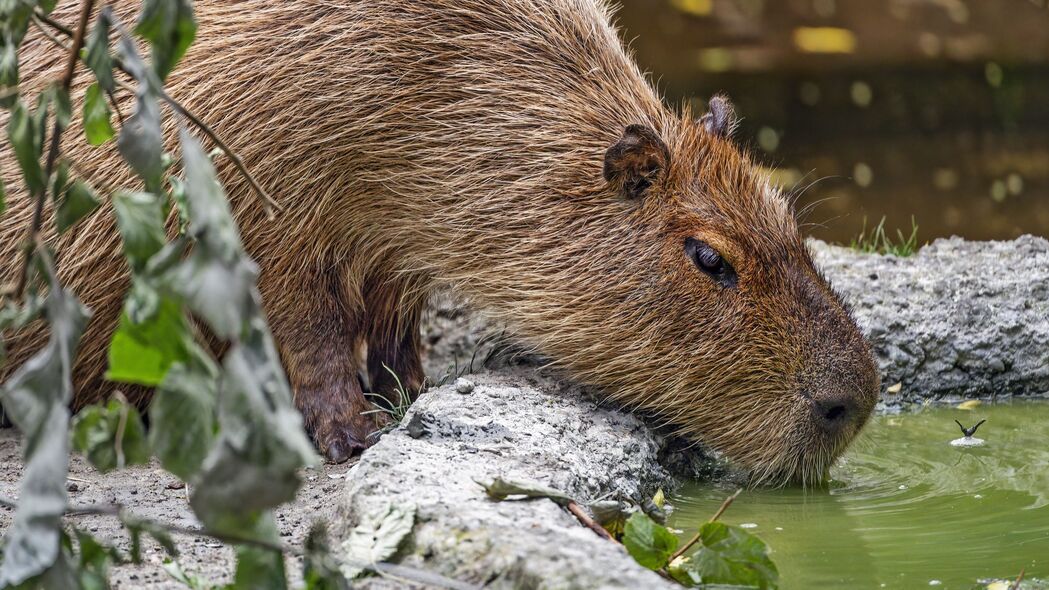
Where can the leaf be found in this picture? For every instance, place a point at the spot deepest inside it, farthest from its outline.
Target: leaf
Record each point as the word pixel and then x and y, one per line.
pixel 36 398
pixel 259 568
pixel 78 201
pixel 8 73
pixel 25 138
pixel 97 127
pixel 320 569
pixel 732 556
pixel 206 203
pixel 140 220
pixel 59 181
pixel 141 140
pixel 142 353
pixel 63 107
pixel 95 559
pixel 170 28
pixel 377 537
pixel 650 544
pixel 97 55
pixel 111 436
pixel 174 569
pixel 182 415
pixel 137 527
pixel 499 489
pixel 3 197
pixel 611 515
pixel 253 466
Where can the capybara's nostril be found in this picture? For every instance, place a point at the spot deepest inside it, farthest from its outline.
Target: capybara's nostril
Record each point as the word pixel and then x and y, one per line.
pixel 834 412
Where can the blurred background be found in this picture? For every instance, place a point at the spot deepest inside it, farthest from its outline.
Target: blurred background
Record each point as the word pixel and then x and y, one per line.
pixel 936 109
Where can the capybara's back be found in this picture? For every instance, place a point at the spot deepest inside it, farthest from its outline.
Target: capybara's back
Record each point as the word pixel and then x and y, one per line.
pixel 511 150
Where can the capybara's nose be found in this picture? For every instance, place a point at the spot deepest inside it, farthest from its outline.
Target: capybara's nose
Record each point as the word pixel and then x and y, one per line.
pixel 835 412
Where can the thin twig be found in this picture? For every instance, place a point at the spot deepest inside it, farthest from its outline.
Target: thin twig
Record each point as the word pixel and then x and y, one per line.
pixel 1016 585
pixel 118 511
pixel 56 137
pixel 695 538
pixel 118 444
pixel 590 523
pixel 268 202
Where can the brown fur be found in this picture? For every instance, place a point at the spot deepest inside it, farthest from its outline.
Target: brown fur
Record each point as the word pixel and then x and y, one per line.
pixel 461 143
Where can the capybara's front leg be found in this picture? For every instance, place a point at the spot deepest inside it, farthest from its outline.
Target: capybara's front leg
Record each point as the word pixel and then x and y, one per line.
pixel 394 361
pixel 320 340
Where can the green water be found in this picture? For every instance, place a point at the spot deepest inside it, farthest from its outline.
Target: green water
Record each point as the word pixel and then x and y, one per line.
pixel 905 509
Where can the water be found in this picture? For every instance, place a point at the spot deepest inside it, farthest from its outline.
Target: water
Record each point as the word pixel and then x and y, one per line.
pixel 905 508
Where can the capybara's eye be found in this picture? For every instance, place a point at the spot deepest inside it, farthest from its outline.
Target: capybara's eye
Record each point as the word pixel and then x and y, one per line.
pixel 708 260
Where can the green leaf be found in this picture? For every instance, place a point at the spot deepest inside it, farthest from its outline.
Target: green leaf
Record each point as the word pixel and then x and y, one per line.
pixel 36 399
pixel 8 73
pixel 97 127
pixel 174 569
pixel 259 568
pixel 95 560
pixel 63 107
pixel 110 436
pixel 141 140
pixel 140 220
pixel 97 55
pixel 143 352
pixel 650 544
pixel 60 181
pixel 26 138
pixel 732 556
pixel 182 415
pixel 3 197
pixel 78 201
pixel 377 537
pixel 170 27
pixel 320 569
pixel 137 527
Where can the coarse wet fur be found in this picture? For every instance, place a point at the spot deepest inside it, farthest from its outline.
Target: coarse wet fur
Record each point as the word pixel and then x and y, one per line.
pixel 510 150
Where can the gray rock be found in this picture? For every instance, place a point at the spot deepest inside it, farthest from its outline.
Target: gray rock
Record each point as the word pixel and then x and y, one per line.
pixel 541 431
pixel 957 319
pixel 464 386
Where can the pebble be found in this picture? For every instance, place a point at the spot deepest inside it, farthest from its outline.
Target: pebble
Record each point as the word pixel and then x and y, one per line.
pixel 464 386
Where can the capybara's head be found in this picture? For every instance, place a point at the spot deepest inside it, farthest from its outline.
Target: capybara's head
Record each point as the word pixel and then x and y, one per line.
pixel 721 324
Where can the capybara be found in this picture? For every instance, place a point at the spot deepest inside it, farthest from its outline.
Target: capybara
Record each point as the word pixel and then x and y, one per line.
pixel 510 150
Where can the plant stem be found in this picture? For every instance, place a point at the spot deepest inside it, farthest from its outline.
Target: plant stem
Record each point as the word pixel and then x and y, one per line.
pixel 269 204
pixel 695 538
pixel 584 518
pixel 56 137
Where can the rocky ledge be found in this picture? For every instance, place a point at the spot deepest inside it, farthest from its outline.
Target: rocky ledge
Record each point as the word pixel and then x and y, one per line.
pixel 956 319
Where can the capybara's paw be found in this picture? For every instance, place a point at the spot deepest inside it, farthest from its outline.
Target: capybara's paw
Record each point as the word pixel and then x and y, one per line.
pixel 340 441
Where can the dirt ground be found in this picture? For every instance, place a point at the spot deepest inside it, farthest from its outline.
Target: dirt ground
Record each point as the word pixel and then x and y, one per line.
pixel 153 493
pixel 450 338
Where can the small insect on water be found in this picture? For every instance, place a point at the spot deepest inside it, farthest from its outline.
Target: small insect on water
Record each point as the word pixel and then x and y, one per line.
pixel 968 440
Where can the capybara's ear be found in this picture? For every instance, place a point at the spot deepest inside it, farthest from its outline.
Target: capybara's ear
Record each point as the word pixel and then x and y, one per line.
pixel 635 162
pixel 720 119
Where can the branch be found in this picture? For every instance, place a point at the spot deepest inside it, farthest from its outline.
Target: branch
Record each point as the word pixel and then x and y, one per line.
pixel 695 538
pixel 584 518
pixel 382 568
pixel 56 137
pixel 268 202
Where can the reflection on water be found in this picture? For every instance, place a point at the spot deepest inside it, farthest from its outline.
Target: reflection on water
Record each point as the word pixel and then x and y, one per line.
pixel 906 508
pixel 936 109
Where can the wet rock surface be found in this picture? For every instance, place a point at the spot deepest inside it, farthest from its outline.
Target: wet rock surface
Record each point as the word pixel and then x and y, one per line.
pixel 957 319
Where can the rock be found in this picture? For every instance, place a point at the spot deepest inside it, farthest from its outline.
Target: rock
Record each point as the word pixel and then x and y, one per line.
pixel 957 319
pixel 543 432
pixel 464 386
